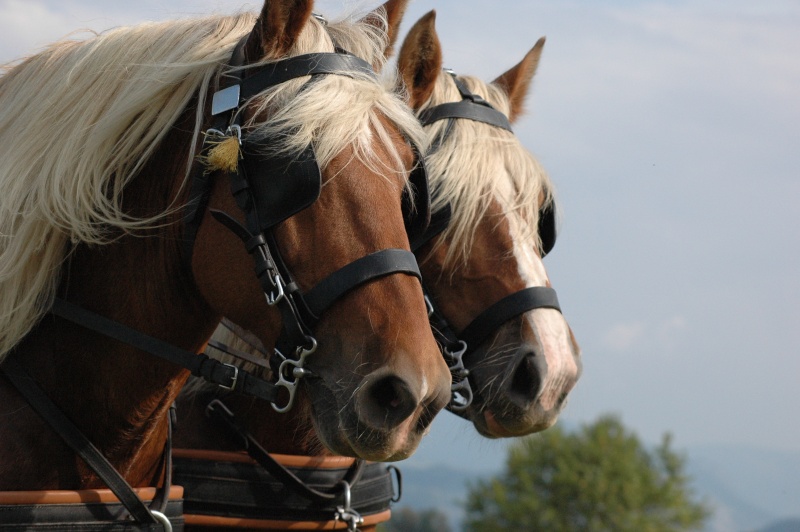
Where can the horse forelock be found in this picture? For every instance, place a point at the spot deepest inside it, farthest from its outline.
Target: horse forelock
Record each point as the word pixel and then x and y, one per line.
pixel 79 120
pixel 478 163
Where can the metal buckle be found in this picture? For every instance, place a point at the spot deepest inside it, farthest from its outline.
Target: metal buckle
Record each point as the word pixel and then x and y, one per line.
pixel 234 380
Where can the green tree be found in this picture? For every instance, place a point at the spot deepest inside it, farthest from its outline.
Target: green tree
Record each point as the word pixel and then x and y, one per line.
pixel 600 478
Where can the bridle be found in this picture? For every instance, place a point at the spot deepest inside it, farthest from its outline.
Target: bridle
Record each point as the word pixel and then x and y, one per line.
pixel 271 188
pixel 458 347
pixel 300 312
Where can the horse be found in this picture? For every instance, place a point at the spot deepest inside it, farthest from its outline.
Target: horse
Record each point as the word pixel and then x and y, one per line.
pixel 109 216
pixel 494 222
pixel 484 271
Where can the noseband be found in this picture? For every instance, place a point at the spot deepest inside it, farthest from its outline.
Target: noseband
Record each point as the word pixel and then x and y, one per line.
pixel 457 348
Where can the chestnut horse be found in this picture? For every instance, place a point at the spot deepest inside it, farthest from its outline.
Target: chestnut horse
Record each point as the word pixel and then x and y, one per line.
pixel 484 271
pixel 99 143
pixel 488 249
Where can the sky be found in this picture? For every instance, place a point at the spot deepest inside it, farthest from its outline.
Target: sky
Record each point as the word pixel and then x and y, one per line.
pixel 672 133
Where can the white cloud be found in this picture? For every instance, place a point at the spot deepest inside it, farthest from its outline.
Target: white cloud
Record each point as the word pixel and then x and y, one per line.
pixel 624 336
pixel 643 336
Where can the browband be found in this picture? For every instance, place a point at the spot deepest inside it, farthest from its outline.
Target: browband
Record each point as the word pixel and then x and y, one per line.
pixel 272 74
pixel 471 107
pixel 465 109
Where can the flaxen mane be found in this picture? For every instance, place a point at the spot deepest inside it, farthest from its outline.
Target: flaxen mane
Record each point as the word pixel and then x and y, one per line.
pixel 476 163
pixel 79 120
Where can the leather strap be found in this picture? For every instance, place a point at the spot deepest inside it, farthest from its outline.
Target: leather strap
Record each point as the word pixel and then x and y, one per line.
pixel 76 440
pixel 471 107
pixel 261 77
pixel 213 371
pixel 361 271
pixel 466 109
pixel 218 412
pixel 509 307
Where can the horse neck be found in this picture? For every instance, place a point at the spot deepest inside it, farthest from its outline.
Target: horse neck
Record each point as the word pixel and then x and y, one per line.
pixel 118 396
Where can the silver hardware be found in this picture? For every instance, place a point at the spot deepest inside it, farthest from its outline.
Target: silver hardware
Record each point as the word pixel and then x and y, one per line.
pixel 291 371
pixel 399 477
pixel 211 132
pixel 225 100
pixel 346 514
pixel 273 298
pixel 460 391
pixel 233 380
pixel 162 520
pixel 429 304
pixel 460 396
pixel 321 18
pixel 235 130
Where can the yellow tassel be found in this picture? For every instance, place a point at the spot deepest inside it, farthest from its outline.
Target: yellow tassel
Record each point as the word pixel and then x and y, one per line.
pixel 224 155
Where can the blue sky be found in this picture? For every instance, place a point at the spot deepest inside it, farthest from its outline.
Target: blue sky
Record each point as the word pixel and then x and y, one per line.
pixel 671 130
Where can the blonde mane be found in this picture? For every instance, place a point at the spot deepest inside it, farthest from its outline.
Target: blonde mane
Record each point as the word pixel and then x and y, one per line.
pixel 79 120
pixel 478 163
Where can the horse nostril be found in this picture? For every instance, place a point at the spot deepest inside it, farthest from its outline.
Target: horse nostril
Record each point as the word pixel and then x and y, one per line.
pixel 387 401
pixel 525 381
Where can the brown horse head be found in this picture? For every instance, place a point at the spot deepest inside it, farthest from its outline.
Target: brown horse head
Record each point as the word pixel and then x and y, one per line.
pixel 376 380
pixel 500 197
pixel 93 206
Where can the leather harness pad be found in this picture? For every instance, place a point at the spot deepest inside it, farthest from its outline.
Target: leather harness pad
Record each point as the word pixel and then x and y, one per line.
pixel 282 185
pixel 417 215
pixel 547 228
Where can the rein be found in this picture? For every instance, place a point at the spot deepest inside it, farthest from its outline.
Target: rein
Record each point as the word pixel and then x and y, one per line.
pixel 299 311
pixel 83 447
pixel 220 485
pixel 457 348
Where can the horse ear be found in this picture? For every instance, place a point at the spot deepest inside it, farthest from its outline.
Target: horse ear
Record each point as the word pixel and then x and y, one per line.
pixel 277 28
pixel 517 80
pixel 394 11
pixel 420 60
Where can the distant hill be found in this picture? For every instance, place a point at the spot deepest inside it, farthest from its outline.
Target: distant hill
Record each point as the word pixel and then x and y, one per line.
pixel 748 487
pixel 788 525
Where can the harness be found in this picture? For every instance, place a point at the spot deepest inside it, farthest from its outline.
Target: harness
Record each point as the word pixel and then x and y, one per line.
pixel 268 189
pixel 263 490
pixel 458 347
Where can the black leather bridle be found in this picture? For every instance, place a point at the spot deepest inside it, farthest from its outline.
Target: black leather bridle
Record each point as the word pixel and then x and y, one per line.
pixel 458 347
pixel 300 312
pixel 271 188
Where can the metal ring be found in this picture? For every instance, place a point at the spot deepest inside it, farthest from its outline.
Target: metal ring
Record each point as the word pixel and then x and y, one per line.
pixel 399 476
pixel 162 520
